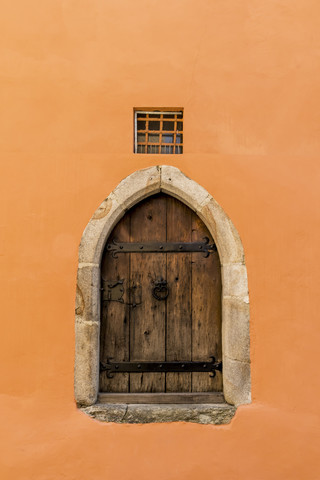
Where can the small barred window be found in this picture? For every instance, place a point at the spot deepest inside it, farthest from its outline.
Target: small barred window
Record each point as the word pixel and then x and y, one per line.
pixel 158 131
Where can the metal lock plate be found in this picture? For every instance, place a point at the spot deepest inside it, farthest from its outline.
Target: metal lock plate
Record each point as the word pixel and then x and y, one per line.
pixel 114 290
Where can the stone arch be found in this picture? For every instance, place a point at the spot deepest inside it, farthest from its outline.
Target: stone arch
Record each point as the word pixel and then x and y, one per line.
pixel 235 299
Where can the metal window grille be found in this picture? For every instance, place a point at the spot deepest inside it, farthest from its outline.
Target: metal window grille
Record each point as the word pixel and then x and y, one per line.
pixel 158 132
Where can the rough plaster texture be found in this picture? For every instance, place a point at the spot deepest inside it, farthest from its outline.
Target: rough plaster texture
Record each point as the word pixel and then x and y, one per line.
pixel 247 74
pixel 235 312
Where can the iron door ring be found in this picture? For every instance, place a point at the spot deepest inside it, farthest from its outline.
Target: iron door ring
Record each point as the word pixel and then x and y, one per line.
pixel 160 290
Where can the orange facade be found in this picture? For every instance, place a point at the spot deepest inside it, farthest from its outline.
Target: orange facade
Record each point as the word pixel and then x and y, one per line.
pixel 247 75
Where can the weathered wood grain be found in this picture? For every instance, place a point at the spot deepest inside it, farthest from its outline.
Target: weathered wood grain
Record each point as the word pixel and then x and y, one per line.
pixel 214 397
pixel 178 341
pixel 206 310
pixel 147 321
pixel 114 336
pixel 185 326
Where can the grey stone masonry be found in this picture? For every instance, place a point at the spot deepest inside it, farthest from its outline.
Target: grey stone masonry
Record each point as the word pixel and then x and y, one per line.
pixel 147 413
pixel 235 299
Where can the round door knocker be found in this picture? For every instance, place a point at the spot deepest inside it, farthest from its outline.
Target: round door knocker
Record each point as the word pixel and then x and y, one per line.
pixel 160 290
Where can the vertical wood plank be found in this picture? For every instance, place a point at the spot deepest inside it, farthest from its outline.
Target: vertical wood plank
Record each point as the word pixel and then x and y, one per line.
pixel 206 310
pixel 114 336
pixel 147 321
pixel 178 344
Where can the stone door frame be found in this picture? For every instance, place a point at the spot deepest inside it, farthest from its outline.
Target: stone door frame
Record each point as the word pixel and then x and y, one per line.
pixel 235 299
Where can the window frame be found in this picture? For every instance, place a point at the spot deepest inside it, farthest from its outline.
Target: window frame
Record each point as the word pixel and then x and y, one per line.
pixel 177 147
pixel 235 302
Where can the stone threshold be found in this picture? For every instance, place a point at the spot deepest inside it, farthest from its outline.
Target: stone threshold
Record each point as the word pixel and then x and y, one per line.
pixel 214 414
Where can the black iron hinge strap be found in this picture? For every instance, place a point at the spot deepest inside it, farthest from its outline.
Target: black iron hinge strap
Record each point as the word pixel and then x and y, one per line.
pixel 161 247
pixel 144 367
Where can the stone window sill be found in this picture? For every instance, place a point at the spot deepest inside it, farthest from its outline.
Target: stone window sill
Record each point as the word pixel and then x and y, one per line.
pixel 216 414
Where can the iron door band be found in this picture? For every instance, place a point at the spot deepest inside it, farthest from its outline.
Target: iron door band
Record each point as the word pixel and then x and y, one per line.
pixel 161 247
pixel 147 367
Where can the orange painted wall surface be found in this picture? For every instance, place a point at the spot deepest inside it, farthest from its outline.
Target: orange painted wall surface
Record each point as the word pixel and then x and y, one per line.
pixel 247 74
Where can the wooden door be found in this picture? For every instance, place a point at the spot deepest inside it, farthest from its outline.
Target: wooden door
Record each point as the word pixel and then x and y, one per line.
pixel 137 323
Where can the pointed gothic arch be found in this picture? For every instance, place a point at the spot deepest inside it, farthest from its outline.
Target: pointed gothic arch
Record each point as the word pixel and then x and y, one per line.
pixel 235 300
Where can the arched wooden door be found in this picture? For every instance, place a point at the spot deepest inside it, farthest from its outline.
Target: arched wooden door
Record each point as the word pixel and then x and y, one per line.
pixel 161 302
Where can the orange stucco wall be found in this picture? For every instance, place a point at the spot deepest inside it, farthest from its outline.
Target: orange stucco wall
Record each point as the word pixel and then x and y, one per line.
pixel 247 74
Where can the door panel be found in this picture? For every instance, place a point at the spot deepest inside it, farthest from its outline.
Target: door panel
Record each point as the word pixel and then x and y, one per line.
pixel 179 300
pixel 115 315
pixel 206 310
pixel 147 321
pixel 139 327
